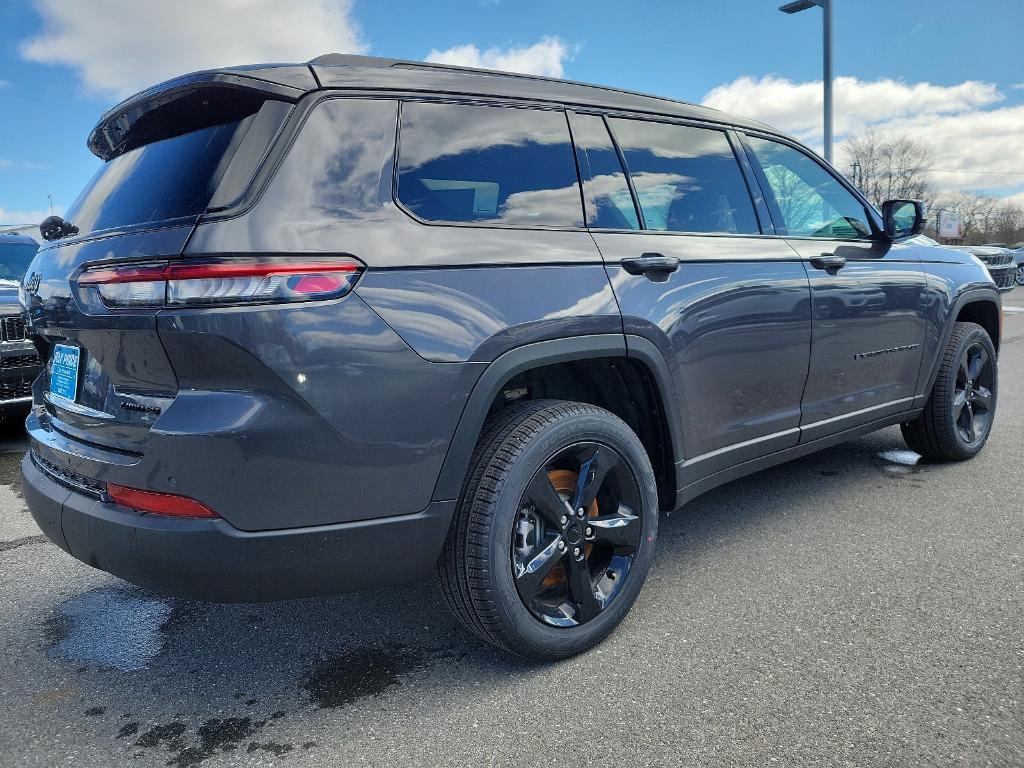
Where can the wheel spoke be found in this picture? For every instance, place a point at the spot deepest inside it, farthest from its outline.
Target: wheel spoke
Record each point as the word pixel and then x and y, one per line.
pixel 619 530
pixel 581 590
pixel 971 434
pixel 982 399
pixel 964 372
pixel 545 499
pixel 977 362
pixel 530 575
pixel 592 475
pixel 959 401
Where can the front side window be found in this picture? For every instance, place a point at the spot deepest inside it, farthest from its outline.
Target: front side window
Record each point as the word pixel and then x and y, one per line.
pixel 812 203
pixel 474 164
pixel 687 179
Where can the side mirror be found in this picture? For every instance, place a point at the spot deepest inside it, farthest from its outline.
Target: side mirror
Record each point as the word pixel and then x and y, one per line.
pixel 903 218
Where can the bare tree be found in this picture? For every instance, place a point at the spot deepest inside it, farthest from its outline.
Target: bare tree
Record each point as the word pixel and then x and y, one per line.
pixel 1006 224
pixel 889 167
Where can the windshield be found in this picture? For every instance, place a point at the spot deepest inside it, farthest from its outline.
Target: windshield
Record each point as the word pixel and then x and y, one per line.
pixel 14 259
pixel 163 180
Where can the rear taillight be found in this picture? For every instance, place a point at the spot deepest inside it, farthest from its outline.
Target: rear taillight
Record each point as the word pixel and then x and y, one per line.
pixel 157 503
pixel 227 281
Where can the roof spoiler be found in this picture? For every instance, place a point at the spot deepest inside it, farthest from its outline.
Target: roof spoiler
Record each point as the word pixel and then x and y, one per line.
pixel 133 122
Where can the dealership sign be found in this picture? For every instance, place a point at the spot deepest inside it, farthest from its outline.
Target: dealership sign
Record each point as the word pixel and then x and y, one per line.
pixel 949 224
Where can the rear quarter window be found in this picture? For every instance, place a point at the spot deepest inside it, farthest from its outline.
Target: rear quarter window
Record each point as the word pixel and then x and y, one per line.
pixel 475 164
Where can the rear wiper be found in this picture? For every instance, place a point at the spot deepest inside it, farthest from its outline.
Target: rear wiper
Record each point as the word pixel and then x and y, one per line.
pixel 54 228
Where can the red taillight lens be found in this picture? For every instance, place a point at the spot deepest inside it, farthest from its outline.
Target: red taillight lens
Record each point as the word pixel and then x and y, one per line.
pixel 158 503
pixel 236 281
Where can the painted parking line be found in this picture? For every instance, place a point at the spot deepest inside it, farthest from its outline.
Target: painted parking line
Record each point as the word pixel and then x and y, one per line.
pixel 1014 310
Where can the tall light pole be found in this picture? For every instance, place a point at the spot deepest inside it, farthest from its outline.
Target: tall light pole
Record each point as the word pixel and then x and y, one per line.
pixel 826 7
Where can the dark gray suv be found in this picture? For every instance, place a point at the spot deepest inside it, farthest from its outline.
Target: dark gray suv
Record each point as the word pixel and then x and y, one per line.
pixel 322 327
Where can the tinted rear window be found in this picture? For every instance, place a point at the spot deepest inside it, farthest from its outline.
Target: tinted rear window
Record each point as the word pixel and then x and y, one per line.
pixel 488 165
pixel 687 179
pixel 163 180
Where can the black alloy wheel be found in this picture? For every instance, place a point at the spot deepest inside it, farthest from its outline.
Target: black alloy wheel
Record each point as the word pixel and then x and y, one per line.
pixel 960 411
pixel 576 534
pixel 973 400
pixel 555 530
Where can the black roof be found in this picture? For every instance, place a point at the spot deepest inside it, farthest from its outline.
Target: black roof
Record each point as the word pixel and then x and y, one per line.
pixel 336 70
pixel 343 71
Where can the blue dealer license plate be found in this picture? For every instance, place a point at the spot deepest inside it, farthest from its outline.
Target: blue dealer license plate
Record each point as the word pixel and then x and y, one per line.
pixel 64 366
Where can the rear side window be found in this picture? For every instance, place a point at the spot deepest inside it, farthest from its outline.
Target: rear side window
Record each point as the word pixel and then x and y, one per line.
pixel 687 179
pixel 606 197
pixel 488 165
pixel 156 182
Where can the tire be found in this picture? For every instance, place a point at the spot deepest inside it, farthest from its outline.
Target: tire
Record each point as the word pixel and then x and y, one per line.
pixel 939 433
pixel 505 513
pixel 1020 275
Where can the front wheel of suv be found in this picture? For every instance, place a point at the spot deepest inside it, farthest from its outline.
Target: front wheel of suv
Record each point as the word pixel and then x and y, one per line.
pixel 555 531
pixel 958 416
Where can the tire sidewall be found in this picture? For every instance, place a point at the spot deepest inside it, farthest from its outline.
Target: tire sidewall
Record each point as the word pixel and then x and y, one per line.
pixel 606 429
pixel 975 334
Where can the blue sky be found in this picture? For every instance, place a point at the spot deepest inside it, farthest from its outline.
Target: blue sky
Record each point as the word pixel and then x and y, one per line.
pixel 942 70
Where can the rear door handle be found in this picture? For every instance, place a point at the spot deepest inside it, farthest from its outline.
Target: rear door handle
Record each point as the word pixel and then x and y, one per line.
pixel 655 266
pixel 829 262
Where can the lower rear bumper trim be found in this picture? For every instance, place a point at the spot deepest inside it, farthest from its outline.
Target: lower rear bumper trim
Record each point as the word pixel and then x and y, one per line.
pixel 212 560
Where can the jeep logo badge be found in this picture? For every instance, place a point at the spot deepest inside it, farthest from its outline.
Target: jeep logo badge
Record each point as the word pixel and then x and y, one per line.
pixel 32 284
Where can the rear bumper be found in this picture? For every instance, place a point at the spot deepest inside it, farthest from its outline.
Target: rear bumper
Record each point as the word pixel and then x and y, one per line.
pixel 212 560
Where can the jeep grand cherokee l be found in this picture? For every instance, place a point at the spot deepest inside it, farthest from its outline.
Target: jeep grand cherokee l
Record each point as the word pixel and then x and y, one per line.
pixel 331 326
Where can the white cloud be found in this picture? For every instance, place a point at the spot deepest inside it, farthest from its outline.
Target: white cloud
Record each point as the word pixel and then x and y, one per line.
pixel 120 46
pixel 966 129
pixel 545 57
pixel 21 165
pixel 16 218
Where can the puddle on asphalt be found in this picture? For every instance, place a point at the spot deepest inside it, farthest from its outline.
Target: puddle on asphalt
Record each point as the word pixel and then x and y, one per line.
pixel 111 627
pixel 900 462
pixel 214 736
pixel 338 679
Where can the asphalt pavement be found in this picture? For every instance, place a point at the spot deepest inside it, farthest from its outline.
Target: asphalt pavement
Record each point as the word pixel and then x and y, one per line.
pixel 856 607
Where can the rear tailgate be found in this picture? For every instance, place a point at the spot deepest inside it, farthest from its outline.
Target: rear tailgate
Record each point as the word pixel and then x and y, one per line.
pixel 124 377
pixel 179 155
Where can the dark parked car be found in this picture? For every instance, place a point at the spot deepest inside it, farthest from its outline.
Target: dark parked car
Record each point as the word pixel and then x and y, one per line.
pixel 333 326
pixel 1018 259
pixel 999 262
pixel 19 361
